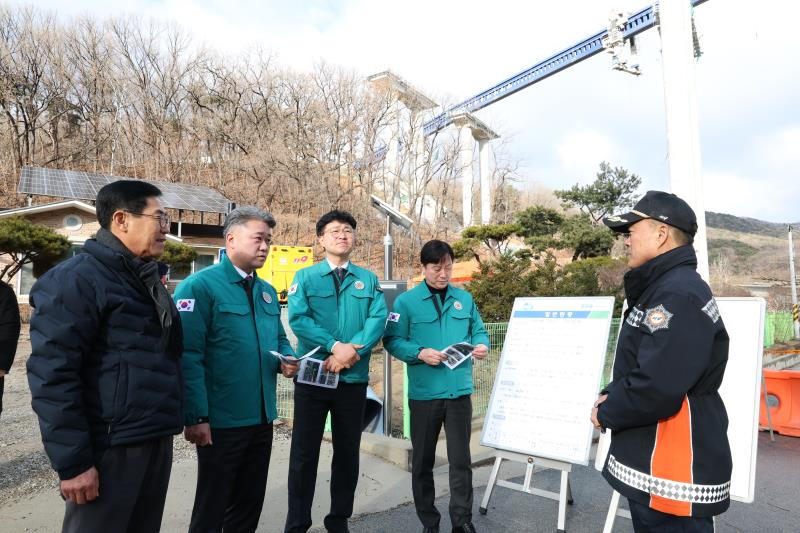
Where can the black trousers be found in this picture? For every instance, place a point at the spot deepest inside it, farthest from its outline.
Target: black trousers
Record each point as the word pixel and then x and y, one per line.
pixel 647 520
pixel 311 406
pixel 232 479
pixel 2 386
pixel 133 488
pixel 427 418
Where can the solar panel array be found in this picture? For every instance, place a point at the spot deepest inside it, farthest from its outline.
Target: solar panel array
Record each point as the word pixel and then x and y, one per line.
pixel 84 186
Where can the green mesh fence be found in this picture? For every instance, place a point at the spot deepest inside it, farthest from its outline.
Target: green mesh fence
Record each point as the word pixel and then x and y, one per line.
pixel 285 392
pixel 285 398
pixel 484 371
pixel 778 328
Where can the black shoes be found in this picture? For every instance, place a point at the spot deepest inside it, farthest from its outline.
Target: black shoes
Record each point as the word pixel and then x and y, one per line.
pixel 466 528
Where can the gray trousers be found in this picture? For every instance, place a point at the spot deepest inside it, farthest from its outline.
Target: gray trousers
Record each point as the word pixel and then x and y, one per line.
pixel 427 418
pixel 133 487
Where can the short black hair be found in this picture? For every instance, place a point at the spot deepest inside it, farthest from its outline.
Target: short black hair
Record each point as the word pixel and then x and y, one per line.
pixel 680 237
pixel 125 195
pixel 434 251
pixel 334 216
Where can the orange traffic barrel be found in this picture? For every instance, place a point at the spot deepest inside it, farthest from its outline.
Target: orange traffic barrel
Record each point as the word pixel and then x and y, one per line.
pixel 783 398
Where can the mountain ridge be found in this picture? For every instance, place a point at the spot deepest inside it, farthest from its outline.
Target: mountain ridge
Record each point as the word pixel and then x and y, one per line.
pixel 747 224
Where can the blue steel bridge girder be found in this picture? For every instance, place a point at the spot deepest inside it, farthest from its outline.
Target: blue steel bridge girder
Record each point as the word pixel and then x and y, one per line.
pixel 637 23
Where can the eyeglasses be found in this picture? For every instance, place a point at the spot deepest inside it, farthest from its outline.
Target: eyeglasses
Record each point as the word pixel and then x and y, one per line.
pixel 162 218
pixel 347 232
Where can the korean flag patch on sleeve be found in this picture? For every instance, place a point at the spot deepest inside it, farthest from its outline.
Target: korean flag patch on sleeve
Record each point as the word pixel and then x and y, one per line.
pixel 185 306
pixel 394 317
pixel 293 289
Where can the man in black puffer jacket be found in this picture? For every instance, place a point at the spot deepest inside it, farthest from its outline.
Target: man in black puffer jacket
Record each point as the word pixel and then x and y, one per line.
pixel 105 372
pixel 669 449
pixel 9 332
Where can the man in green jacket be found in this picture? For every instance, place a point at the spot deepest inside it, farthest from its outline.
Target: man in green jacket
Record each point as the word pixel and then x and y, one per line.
pixel 231 321
pixel 340 307
pixel 425 320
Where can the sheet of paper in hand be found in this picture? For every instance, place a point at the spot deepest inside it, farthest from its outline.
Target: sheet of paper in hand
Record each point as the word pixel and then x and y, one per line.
pixel 289 360
pixel 311 372
pixel 457 354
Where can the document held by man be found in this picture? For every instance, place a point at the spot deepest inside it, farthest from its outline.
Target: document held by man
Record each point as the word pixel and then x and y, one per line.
pixel 289 360
pixel 457 354
pixel 312 372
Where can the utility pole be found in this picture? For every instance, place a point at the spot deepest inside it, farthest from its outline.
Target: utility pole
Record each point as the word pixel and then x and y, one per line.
pixel 393 216
pixel 388 260
pixel 793 281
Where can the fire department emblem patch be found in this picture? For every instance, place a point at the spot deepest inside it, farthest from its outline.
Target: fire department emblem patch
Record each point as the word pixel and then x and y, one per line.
pixel 267 297
pixel 657 318
pixel 458 306
pixel 358 285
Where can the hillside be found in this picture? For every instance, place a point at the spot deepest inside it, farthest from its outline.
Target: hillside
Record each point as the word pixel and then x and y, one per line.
pixel 748 256
pixel 745 224
pixel 747 248
pixel 740 262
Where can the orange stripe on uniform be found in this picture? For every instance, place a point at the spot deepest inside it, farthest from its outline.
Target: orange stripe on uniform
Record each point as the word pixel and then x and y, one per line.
pixel 672 458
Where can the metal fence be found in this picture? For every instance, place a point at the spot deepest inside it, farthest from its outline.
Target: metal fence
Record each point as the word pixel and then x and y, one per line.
pixel 285 392
pixel 484 371
pixel 778 328
pixel 285 399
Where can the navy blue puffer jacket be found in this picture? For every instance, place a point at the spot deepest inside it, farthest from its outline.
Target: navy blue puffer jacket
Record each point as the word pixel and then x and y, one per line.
pixel 102 371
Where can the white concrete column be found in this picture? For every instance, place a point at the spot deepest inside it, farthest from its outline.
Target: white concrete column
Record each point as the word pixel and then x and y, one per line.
pixel 391 162
pixel 486 181
pixel 418 160
pixel 683 131
pixel 466 153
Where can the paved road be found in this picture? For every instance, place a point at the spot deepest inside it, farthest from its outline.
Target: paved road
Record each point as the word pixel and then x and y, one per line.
pixel 29 501
pixel 776 508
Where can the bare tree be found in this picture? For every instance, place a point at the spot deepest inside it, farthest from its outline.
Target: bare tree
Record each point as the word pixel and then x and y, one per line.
pixel 137 98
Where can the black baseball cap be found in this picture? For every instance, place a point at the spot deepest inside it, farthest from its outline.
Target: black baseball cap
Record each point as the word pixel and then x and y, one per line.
pixel 658 205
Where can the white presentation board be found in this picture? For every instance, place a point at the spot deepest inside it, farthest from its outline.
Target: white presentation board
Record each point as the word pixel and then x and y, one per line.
pixel 740 391
pixel 741 388
pixel 548 376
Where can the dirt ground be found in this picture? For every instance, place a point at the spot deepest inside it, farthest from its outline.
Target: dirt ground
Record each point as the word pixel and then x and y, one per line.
pixel 376 383
pixel 24 467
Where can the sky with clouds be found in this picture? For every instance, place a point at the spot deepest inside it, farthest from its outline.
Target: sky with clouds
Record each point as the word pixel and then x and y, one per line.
pixel 748 79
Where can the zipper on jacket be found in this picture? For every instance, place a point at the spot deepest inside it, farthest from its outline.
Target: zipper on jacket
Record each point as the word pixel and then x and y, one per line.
pixel 249 293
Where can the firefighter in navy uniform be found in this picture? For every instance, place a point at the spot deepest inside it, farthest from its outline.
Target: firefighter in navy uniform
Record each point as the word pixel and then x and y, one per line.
pixel 669 452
